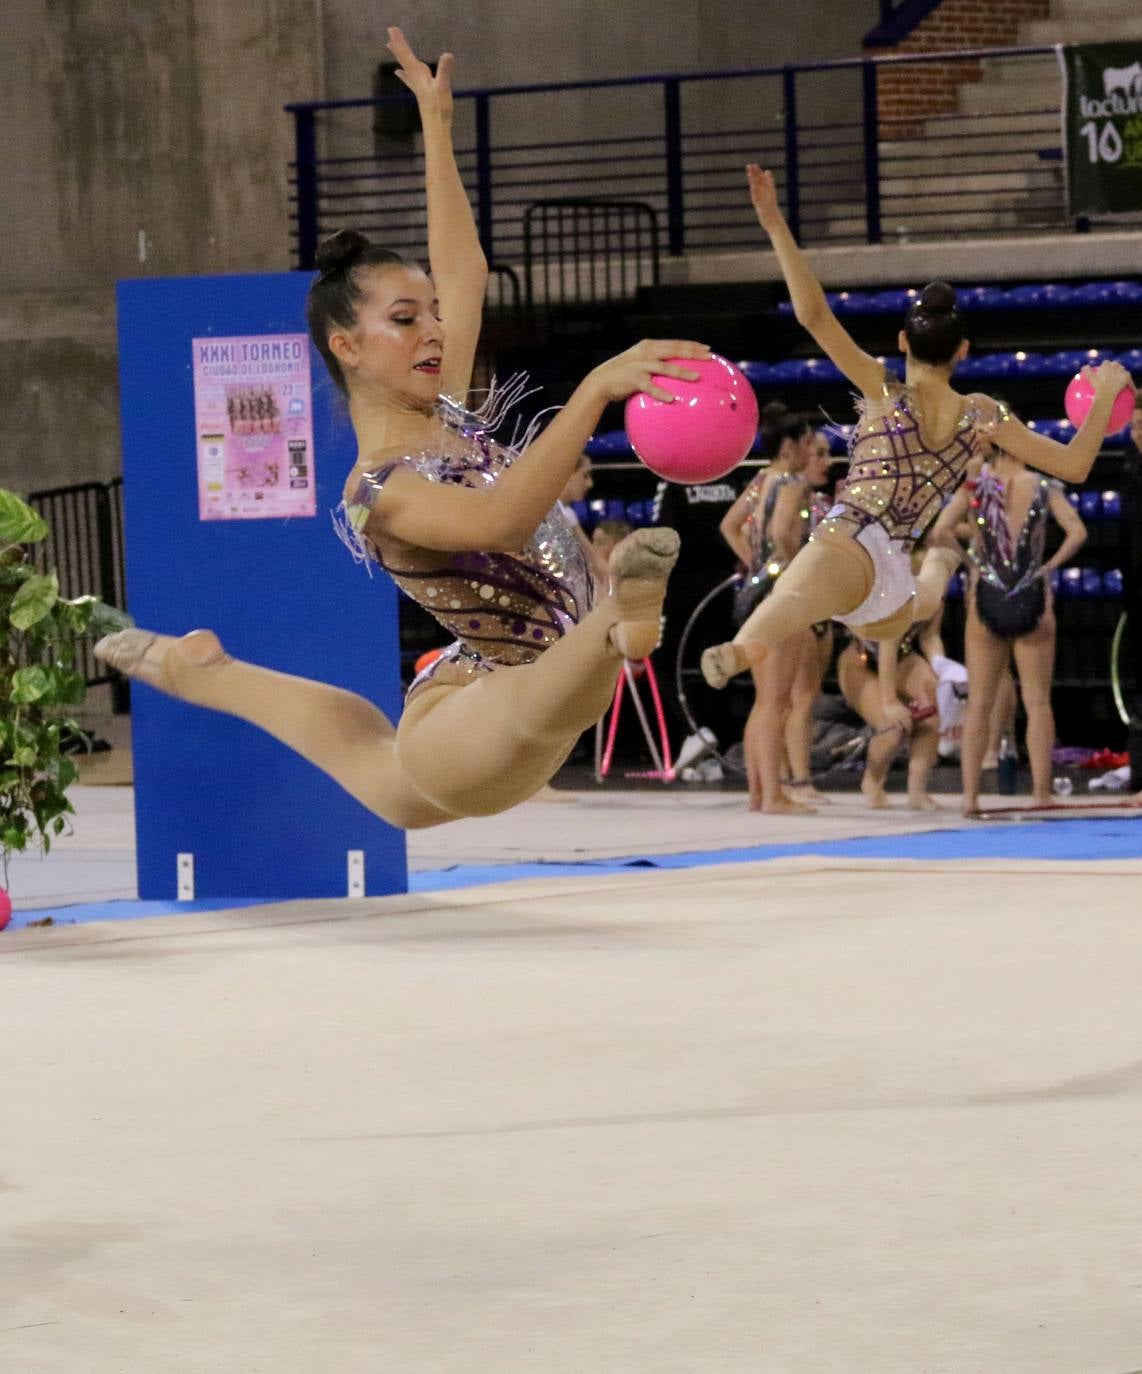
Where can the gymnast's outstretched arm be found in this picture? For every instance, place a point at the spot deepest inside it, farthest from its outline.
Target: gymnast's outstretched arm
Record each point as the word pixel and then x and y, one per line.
pixel 459 268
pixel 1071 461
pixel 433 515
pixel 809 303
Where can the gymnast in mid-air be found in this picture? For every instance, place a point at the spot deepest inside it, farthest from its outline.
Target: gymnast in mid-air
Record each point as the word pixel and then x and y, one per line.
pixel 468 528
pixel 909 451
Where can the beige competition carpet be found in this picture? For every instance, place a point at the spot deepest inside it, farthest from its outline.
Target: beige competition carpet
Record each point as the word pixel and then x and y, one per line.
pixel 796 1117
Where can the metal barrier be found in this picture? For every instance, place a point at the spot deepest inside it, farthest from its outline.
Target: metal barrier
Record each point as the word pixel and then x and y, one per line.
pixel 85 547
pixel 578 251
pixel 677 148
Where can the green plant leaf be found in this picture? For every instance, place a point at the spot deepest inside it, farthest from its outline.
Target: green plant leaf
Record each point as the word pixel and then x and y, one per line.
pixel 13 838
pixel 34 600
pixel 30 684
pixel 65 687
pixel 19 523
pixel 68 773
pixel 24 757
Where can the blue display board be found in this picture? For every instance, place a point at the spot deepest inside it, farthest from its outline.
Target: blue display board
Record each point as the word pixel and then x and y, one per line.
pixel 259 820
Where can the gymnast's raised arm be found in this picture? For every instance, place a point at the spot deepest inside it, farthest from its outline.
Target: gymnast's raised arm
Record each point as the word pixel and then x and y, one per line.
pixel 809 304
pixel 456 260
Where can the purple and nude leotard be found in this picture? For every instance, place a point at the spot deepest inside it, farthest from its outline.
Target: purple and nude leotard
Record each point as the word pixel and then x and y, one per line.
pixel 504 609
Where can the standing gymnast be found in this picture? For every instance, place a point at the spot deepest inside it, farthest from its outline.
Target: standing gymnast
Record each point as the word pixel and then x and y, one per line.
pixel 909 450
pixel 1010 607
pixel 463 525
pixel 765 527
pixel 813 665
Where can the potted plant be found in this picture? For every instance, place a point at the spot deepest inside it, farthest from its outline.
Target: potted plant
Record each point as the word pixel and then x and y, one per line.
pixel 39 684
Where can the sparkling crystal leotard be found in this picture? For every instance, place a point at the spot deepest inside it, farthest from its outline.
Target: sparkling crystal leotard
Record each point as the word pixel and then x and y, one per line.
pixel 897 484
pixel 763 569
pixel 505 609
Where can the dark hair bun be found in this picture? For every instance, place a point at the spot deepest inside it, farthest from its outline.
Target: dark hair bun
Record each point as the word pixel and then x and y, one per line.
pixel 340 251
pixel 773 413
pixel 937 298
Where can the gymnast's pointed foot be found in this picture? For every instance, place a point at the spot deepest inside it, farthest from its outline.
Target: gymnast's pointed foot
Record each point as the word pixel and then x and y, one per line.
pixel 640 566
pixel 162 661
pixel 722 662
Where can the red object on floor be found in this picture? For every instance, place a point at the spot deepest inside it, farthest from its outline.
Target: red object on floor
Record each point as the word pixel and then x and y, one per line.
pixel 5 908
pixel 1104 760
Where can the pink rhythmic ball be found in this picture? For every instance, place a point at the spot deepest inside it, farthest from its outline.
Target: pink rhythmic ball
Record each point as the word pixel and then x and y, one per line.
pixel 5 908
pixel 704 432
pixel 1080 398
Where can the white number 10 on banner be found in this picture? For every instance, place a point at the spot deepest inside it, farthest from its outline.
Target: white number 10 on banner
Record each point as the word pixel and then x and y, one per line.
pixel 1104 147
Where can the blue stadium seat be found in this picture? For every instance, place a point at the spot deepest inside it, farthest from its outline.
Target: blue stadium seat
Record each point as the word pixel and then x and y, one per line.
pixel 1057 294
pixel 1033 365
pixel 971 368
pixel 1027 297
pixel 895 302
pixel 1112 505
pixel 821 370
pixel 583 510
pixel 994 365
pixel 785 308
pixel 981 298
pixel 1066 362
pixel 757 373
pixel 613 444
pixel 1070 584
pixel 851 303
pixel 1090 505
pixel 788 370
pixel 1091 584
pixel 1112 584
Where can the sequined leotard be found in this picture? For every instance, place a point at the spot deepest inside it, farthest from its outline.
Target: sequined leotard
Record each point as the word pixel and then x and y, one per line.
pixel 763 571
pixel 897 484
pixel 1010 564
pixel 503 608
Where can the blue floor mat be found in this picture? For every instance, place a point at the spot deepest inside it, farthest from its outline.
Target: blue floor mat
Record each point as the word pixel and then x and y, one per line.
pixel 1057 839
pixel 1080 839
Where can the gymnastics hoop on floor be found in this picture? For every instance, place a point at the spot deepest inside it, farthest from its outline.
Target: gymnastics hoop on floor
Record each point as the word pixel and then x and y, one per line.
pixel 1115 674
pixel 733 580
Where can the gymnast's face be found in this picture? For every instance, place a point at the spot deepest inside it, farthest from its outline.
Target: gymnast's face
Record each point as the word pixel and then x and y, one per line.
pixel 396 347
pixel 820 460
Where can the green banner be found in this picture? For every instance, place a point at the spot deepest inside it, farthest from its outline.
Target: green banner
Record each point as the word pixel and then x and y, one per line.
pixel 1102 127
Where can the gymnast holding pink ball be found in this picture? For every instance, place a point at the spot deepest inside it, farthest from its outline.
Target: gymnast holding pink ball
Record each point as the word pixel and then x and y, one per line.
pixel 909 452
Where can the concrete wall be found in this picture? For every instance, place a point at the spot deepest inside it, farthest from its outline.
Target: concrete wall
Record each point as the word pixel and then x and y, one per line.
pixel 127 118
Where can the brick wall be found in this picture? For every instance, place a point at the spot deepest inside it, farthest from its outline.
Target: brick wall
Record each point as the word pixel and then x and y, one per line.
pixel 908 95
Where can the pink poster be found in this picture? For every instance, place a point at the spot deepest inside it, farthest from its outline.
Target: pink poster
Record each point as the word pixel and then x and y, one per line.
pixel 254 422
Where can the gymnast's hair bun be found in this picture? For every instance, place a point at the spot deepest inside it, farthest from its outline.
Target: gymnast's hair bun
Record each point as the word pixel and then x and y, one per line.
pixel 341 251
pixel 937 298
pixel 773 413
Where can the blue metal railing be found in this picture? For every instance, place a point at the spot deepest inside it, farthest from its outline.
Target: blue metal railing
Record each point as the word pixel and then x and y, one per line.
pixel 841 179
